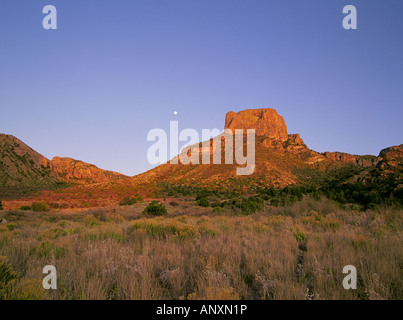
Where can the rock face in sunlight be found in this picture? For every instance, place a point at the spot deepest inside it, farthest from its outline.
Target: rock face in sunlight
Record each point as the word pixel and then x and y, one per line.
pixel 362 161
pixel 267 122
pixel 22 169
pixel 71 170
pixel 391 161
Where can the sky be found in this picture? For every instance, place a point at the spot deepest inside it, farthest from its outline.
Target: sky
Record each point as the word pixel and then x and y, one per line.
pixel 114 70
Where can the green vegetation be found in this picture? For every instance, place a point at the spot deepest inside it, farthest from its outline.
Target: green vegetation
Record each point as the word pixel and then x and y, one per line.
pixel 128 201
pixel 40 207
pixel 7 277
pixel 25 208
pixel 203 202
pixel 155 208
pixel 251 205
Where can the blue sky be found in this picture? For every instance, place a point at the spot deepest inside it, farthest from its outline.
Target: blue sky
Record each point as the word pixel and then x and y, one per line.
pixel 114 70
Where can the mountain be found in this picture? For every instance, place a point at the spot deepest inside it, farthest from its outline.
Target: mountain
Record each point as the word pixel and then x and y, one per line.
pixel 22 169
pixel 282 159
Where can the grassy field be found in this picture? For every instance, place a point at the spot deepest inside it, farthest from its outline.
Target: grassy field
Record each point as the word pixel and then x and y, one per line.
pixel 288 252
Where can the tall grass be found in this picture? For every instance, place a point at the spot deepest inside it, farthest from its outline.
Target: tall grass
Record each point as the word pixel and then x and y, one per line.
pixel 291 252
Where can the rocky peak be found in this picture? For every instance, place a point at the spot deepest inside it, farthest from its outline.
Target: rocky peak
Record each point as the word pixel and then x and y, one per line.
pixel 267 122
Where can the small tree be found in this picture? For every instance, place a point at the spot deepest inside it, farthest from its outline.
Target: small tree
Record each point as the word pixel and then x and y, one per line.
pixel 128 201
pixel 155 208
pixel 203 202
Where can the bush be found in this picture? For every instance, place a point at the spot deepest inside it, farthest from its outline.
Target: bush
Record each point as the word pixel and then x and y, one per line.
pixel 11 226
pixel 203 202
pixel 39 206
pixel 1 205
pixel 25 208
pixel 251 205
pixel 155 208
pixel 173 203
pixel 128 201
pixel 7 277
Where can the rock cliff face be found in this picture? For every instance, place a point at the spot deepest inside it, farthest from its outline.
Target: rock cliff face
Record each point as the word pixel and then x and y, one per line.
pixel 295 138
pixel 391 160
pixel 363 161
pixel 270 125
pixel 267 122
pixel 71 170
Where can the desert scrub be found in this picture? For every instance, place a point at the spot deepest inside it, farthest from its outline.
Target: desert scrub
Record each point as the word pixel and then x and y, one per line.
pixel 212 293
pixel 7 277
pixel 25 208
pixel 91 221
pixel 40 207
pixel 155 208
pixel 27 289
pixel 203 202
pixel 51 234
pixel 165 228
pixel 326 223
pixel 11 226
pixel 47 249
pixel 128 201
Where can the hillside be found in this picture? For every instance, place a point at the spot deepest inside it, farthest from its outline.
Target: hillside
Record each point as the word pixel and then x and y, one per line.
pixel 282 159
pixel 23 170
pixel 22 167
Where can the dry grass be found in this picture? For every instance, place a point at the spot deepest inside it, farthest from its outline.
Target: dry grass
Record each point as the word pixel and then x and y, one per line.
pixel 293 252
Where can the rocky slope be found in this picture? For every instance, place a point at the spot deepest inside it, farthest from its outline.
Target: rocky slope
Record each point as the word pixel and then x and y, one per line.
pixel 390 162
pixel 21 166
pixel 22 169
pixel 76 171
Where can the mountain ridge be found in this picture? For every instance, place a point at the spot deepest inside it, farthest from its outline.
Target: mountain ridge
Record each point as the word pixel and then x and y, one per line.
pixel 282 159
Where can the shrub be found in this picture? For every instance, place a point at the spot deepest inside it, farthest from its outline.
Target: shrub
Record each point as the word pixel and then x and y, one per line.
pixel 27 289
pixel 7 277
pixel 25 208
pixel 11 226
pixel 218 209
pixel 215 204
pixel 40 206
pixel 203 202
pixel 155 208
pixel 173 203
pixel 128 201
pixel 251 205
pixel 299 236
pixel 91 221
pixel 1 205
